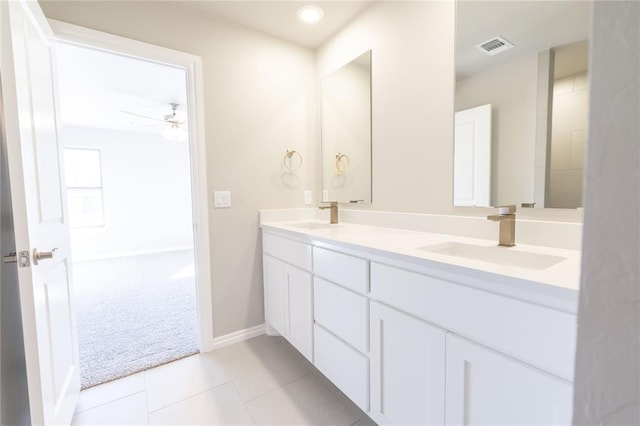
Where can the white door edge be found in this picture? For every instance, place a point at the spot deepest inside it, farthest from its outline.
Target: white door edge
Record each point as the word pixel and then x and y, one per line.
pixel 192 64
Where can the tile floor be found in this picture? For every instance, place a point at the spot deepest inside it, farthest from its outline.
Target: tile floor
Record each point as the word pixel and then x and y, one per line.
pixel 260 381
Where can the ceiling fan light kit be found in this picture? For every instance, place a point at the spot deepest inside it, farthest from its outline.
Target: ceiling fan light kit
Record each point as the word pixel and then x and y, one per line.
pixel 174 133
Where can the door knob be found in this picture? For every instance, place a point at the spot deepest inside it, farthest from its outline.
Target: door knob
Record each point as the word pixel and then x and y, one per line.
pixel 43 255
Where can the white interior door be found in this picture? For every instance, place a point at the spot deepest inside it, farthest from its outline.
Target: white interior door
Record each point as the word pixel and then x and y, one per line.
pixel 472 157
pixel 39 209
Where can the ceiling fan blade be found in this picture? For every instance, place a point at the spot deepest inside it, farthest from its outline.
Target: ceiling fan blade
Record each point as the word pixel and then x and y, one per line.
pixel 142 126
pixel 142 116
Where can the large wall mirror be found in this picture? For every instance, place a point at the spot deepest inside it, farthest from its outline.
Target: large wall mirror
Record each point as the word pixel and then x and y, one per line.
pixel 346 132
pixel 521 102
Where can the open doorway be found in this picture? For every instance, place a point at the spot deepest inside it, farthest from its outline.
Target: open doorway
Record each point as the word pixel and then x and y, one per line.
pixel 129 189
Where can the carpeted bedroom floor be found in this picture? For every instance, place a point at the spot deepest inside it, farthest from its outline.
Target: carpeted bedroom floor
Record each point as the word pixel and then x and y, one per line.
pixel 134 313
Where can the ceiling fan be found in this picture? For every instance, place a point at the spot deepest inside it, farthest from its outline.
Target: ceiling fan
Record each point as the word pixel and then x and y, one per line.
pixel 174 129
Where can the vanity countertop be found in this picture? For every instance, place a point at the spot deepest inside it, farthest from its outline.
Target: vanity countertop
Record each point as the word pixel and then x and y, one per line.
pixel 555 286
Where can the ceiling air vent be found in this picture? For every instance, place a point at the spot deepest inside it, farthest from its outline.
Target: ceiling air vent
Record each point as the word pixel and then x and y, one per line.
pixel 494 45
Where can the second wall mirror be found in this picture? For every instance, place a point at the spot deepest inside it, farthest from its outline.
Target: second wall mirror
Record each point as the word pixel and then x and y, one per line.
pixel 521 102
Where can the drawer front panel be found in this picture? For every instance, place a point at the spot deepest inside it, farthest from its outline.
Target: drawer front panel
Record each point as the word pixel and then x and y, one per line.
pixel 344 366
pixel 342 312
pixel 348 271
pixel 539 336
pixel 293 252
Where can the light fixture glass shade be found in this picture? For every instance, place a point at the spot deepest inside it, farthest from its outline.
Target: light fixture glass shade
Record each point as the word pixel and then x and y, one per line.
pixel 175 133
pixel 169 133
pixel 181 134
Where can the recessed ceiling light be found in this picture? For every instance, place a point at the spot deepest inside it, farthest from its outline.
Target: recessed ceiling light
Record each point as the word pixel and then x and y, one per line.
pixel 310 14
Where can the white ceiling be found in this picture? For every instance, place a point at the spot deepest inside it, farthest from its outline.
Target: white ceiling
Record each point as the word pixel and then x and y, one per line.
pixel 96 86
pixel 278 18
pixel 532 26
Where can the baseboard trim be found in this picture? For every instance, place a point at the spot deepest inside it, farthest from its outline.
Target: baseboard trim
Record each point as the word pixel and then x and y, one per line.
pixel 237 336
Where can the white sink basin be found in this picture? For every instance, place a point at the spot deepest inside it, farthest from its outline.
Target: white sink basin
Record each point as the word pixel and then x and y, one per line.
pixel 313 225
pixel 499 255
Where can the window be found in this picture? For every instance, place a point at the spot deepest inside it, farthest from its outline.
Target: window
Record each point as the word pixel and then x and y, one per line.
pixel 83 174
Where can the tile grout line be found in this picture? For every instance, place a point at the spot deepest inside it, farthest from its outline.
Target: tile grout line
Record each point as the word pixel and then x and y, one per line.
pixel 229 380
pixel 188 397
pixel 111 401
pixel 244 403
pixel 276 389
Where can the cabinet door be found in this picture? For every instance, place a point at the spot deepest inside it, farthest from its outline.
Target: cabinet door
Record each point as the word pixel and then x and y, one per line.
pixel 485 387
pixel 300 314
pixel 275 289
pixel 407 369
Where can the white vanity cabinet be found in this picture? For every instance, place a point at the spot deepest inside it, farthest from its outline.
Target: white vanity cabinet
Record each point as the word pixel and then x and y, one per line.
pixel 410 344
pixel 485 387
pixel 483 384
pixel 407 369
pixel 288 291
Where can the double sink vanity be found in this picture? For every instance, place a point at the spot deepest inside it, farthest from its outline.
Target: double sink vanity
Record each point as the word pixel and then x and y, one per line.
pixel 424 319
pixel 426 328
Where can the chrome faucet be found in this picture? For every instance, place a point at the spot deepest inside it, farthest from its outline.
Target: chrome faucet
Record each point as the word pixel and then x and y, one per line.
pixel 507 218
pixel 333 205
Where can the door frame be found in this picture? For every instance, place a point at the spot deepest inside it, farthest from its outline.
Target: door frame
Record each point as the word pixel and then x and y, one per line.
pixel 192 65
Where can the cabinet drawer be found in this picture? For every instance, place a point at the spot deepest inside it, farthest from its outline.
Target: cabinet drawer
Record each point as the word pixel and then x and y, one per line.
pixel 344 366
pixel 348 271
pixel 342 312
pixel 293 252
pixel 540 336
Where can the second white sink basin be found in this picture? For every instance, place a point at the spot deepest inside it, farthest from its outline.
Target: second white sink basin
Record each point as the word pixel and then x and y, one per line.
pixel 498 255
pixel 313 225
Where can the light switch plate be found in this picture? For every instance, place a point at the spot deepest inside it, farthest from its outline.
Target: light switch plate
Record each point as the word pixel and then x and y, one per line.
pixel 308 197
pixel 221 199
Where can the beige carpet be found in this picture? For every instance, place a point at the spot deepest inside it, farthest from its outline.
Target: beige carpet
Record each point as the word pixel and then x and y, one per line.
pixel 134 313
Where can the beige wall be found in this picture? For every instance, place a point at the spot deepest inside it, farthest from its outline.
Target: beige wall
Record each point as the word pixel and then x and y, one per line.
pixel 260 99
pixel 568 139
pixel 413 80
pixel 512 91
pixel 412 95
pixel 607 386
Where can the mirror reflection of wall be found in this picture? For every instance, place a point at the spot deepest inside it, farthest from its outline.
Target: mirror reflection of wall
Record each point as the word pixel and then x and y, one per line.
pixel 569 125
pixel 346 132
pixel 537 132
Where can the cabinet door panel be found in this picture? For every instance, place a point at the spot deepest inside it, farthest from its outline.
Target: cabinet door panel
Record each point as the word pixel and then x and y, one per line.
pixel 485 387
pixel 300 333
pixel 407 369
pixel 275 287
